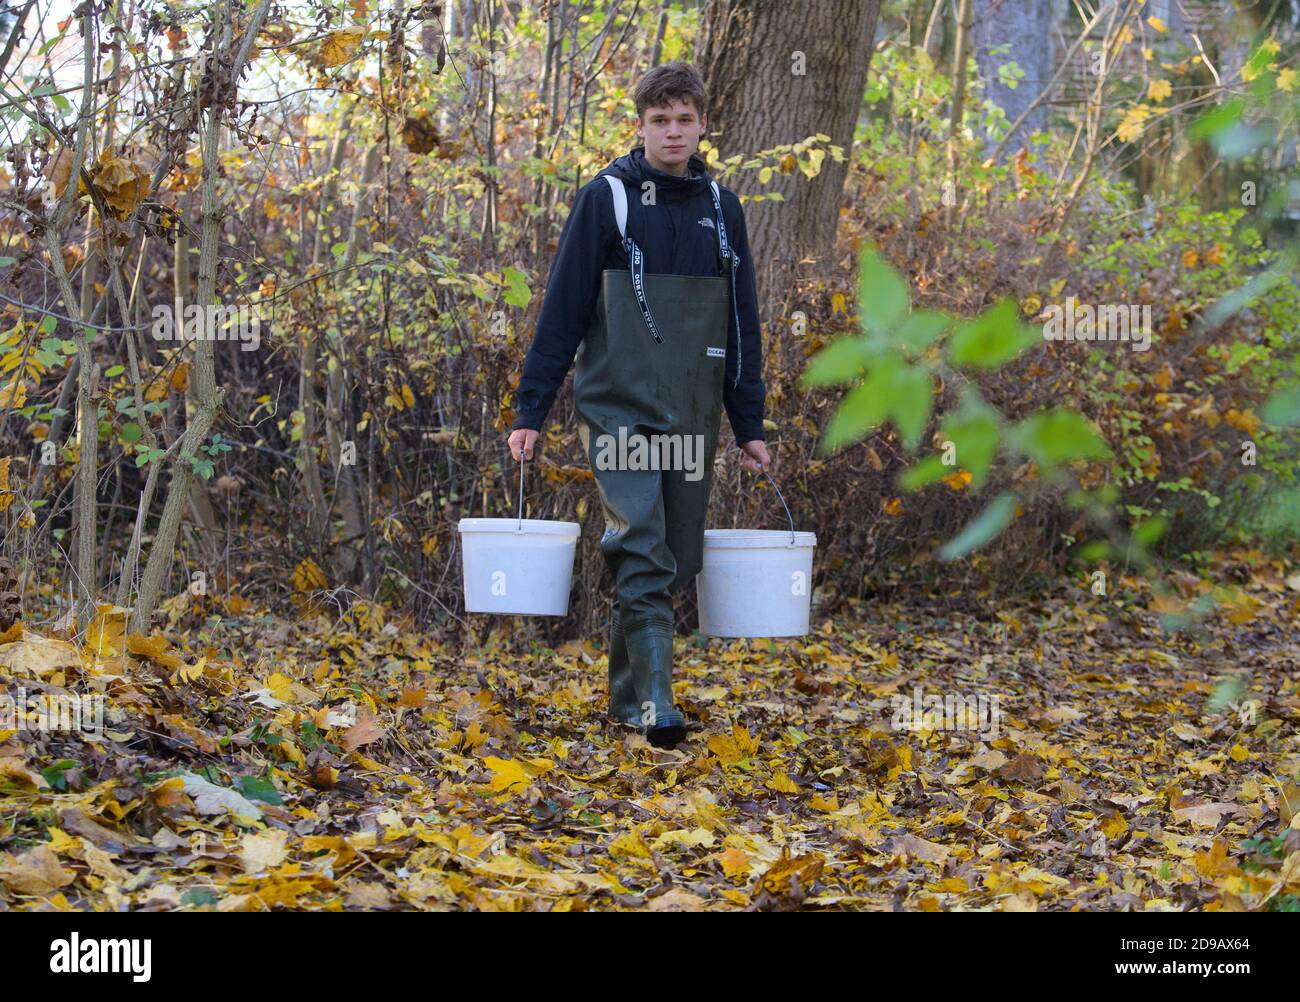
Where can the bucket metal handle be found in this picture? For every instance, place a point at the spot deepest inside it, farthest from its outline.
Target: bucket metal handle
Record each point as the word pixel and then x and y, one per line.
pixel 522 460
pixel 783 504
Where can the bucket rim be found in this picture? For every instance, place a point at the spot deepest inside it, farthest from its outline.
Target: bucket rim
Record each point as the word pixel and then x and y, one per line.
pixel 739 539
pixel 536 526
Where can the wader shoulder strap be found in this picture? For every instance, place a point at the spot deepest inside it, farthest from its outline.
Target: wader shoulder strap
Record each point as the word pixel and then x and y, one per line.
pixel 728 255
pixel 619 192
pixel 634 256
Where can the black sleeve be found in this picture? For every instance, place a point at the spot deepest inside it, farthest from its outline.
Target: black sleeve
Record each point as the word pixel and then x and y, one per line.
pixel 571 292
pixel 744 400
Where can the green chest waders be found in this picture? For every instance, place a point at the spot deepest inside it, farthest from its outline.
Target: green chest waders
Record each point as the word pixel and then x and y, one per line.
pixel 648 391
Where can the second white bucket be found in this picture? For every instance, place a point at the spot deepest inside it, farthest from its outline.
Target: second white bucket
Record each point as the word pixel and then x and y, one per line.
pixel 518 566
pixel 756 582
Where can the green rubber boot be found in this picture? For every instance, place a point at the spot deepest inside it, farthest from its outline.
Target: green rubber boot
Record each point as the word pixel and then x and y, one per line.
pixel 650 651
pixel 623 705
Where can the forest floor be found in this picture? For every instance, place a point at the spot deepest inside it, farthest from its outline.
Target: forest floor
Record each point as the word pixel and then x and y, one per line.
pixel 327 763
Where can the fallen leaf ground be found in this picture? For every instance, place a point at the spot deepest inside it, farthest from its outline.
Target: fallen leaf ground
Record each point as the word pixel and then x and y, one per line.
pixel 332 764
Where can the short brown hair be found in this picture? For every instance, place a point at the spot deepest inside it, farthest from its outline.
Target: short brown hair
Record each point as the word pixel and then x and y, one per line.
pixel 666 83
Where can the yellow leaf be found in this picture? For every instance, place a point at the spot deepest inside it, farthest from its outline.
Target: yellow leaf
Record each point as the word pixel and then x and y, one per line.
pixel 629 845
pixel 281 687
pixel 1238 753
pixel 1158 90
pixel 1131 126
pixel 36 871
pixel 819 803
pixel 1286 80
pixel 1247 420
pixel 508 773
pixel 263 851
pixel 958 479
pixel 105 634
pixel 13 394
pixel 155 649
pixel 339 46
pixel 734 862
pixel 308 577
pixel 123 183
pixel 1156 23
pixel 734 748
pixel 1288 803
pixel 782 783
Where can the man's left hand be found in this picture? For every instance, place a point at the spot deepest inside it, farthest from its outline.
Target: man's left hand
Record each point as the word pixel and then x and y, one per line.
pixel 755 456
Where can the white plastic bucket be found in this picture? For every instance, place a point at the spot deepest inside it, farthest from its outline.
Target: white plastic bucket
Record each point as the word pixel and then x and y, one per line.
pixel 755 582
pixel 520 567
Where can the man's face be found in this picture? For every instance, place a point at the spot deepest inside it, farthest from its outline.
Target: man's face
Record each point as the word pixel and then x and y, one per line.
pixel 671 135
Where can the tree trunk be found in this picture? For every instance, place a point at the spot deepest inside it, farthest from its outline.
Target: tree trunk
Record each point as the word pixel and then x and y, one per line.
pixel 780 73
pixel 1026 27
pixel 162 552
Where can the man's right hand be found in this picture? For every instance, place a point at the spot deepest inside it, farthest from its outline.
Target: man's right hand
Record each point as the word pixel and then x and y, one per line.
pixel 522 438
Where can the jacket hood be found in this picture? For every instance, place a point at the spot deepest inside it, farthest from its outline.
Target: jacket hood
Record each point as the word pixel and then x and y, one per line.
pixel 634 168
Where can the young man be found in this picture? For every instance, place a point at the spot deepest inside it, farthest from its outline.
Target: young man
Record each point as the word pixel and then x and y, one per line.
pixel 652 279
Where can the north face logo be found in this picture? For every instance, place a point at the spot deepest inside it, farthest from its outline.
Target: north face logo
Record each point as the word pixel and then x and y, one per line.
pixel 706 221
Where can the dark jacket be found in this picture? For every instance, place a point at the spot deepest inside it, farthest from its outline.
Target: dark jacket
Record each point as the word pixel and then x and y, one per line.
pixel 677 236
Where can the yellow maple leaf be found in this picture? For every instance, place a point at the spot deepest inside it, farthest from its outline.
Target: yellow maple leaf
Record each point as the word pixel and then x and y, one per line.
pixel 782 783
pixel 733 748
pixel 1130 128
pixel 1286 80
pixel 508 773
pixel 1158 90
pixel 340 45
pixel 104 635
pixel 308 576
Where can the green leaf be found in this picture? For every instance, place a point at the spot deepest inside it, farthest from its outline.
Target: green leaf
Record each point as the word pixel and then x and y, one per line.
pixel 974 431
pixel 199 897
pixel 987 524
pixel 258 788
pixel 1282 409
pixel 517 291
pixel 920 329
pixel 1217 120
pixel 131 432
pixel 1151 530
pixel 994 337
pixel 910 397
pixel 883 296
pixel 1054 436
pixel 861 410
pixel 841 361
pixel 927 471
pixel 115 370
